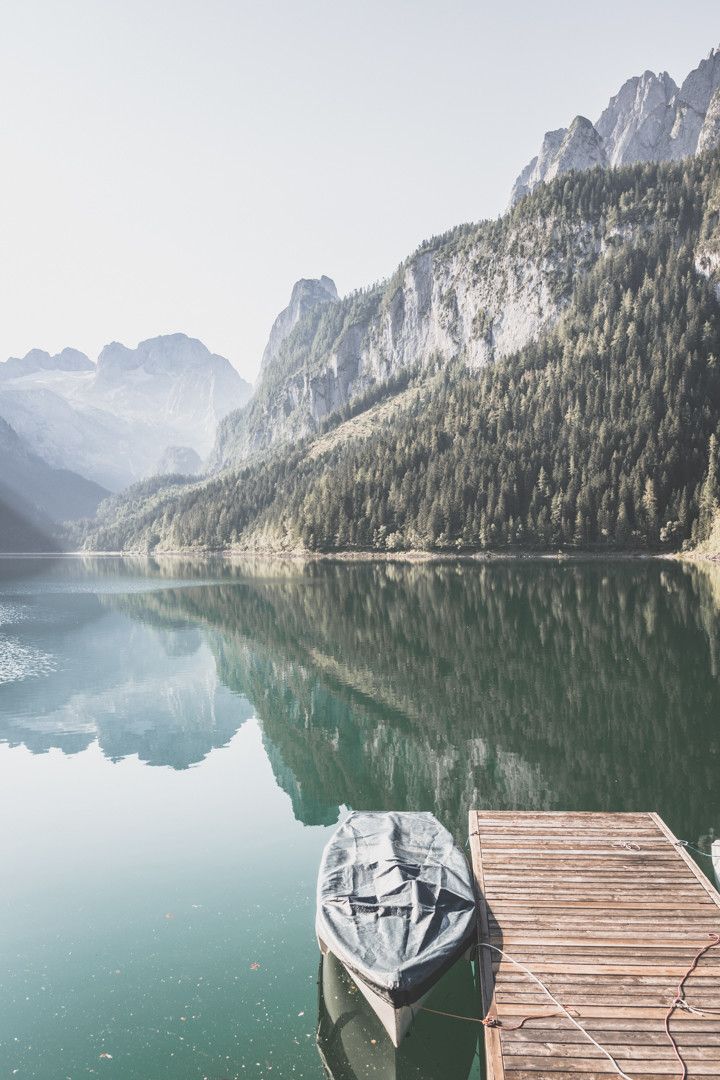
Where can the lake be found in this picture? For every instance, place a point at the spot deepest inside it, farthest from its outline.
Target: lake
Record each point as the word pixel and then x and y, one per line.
pixel 178 738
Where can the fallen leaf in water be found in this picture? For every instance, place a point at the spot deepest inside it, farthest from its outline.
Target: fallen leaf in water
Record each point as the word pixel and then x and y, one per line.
pixel 373 1042
pixel 301 1013
pixel 105 1056
pixel 254 966
pixel 169 915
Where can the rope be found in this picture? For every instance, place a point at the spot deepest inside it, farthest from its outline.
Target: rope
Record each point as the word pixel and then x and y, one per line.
pixel 679 1001
pixel 494 1021
pixel 488 1021
pixel 687 844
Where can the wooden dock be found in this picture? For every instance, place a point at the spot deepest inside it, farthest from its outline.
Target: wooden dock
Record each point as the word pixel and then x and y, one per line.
pixel 608 911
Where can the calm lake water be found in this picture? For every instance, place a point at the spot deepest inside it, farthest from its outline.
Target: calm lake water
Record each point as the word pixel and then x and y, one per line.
pixel 178 738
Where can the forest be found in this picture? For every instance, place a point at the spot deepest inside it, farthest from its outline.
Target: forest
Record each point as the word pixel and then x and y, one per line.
pixel 603 434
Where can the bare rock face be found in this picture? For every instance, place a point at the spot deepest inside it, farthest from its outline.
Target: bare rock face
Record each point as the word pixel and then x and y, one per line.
pixel 638 123
pixel 536 171
pixel 477 295
pixel 702 82
pixel 581 148
pixel 307 294
pixel 649 119
pixel 709 137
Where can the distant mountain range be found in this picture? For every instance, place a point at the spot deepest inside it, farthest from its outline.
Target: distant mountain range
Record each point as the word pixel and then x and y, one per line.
pixel 114 422
pixel 458 403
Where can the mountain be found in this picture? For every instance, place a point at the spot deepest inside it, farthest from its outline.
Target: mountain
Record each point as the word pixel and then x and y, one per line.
pixel 113 421
pixel 307 294
pixel 173 381
pixel 710 132
pixel 34 496
pixel 38 360
pixel 383 424
pixel 478 293
pixel 179 460
pixel 649 119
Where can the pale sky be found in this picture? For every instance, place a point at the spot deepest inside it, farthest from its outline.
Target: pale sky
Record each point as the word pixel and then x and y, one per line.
pixel 176 165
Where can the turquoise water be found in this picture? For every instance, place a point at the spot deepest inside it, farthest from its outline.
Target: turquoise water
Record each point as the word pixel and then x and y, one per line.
pixel 178 738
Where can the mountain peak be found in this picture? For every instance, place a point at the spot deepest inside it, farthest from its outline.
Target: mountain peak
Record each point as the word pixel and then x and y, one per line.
pixel 650 118
pixel 39 360
pixel 564 149
pixel 307 294
pixel 166 353
pixel 313 290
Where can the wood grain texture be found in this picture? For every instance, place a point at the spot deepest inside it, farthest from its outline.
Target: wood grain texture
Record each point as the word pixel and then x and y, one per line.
pixel 608 910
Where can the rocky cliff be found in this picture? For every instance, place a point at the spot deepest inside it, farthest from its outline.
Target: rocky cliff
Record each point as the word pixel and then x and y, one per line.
pixel 472 296
pixel 475 295
pixel 709 136
pixel 307 294
pixel 649 119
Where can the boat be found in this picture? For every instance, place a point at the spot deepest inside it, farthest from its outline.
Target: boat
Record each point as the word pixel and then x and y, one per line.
pixel 352 1042
pixel 716 860
pixel 396 907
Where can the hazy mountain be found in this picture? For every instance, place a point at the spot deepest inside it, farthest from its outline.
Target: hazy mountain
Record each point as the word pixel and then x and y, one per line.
pixel 649 119
pixel 38 360
pixel 182 460
pixel 172 381
pixel 22 527
pixel 34 496
pixel 112 422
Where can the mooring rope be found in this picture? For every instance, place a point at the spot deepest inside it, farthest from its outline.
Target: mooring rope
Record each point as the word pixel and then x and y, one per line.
pixel 699 851
pixel 494 1021
pixel 678 1002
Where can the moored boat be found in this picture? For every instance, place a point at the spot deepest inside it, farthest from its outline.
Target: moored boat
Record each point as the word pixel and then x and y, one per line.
pixel 716 860
pixel 352 1044
pixel 396 906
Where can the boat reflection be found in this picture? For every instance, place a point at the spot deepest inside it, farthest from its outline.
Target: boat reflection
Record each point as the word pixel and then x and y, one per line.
pixel 352 1042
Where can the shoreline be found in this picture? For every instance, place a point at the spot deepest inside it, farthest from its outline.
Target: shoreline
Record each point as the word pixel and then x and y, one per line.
pixel 411 556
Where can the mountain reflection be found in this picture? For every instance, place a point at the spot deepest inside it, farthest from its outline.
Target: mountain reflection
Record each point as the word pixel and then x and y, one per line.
pixel 441 687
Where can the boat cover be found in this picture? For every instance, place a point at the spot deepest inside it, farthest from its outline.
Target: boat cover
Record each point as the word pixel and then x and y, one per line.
pixel 395 901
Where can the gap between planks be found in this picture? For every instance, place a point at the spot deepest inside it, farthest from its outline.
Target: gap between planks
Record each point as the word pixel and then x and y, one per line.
pixel 608 909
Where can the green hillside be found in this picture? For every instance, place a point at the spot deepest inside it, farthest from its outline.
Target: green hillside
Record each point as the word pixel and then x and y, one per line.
pixel 597 435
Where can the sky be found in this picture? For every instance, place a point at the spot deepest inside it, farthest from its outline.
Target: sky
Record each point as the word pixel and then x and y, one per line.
pixel 175 165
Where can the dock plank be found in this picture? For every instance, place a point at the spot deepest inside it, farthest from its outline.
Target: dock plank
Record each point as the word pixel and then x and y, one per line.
pixel 608 910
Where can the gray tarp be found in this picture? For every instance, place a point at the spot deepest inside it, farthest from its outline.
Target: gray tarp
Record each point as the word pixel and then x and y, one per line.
pixel 395 901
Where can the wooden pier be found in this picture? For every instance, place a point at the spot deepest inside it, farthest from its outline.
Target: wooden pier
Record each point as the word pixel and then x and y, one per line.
pixel 608 910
